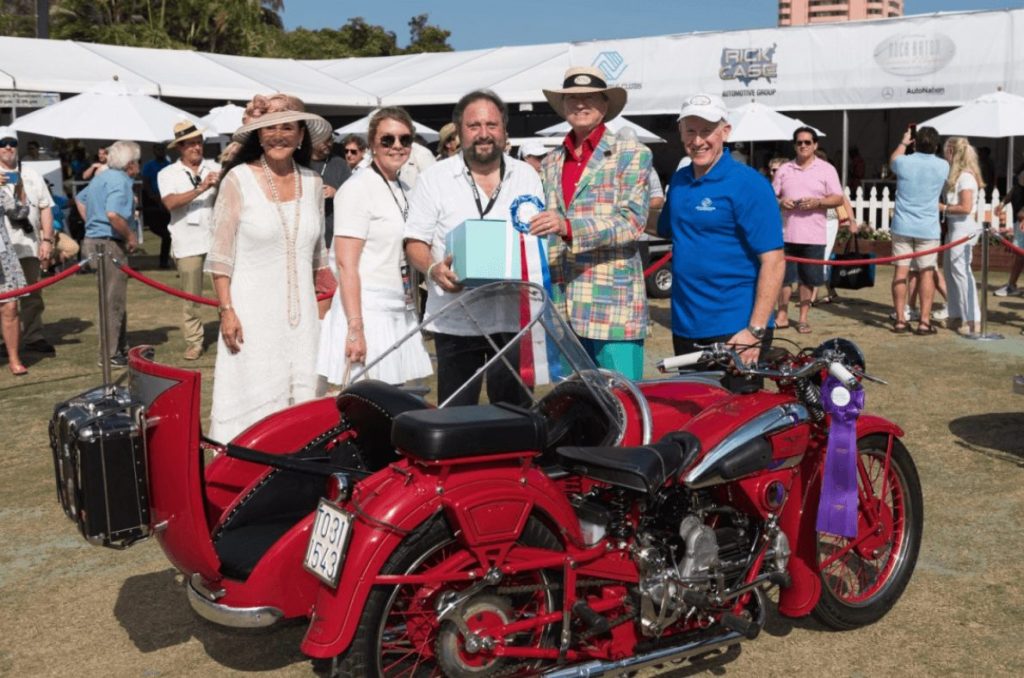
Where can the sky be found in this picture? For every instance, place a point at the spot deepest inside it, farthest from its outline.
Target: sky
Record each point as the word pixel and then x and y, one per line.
pixel 477 24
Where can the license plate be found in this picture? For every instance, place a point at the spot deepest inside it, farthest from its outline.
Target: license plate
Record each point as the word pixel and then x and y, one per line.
pixel 327 542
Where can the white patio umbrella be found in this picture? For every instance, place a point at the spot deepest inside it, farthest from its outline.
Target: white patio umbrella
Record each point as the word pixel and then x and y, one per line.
pixel 109 110
pixel 362 127
pixel 222 119
pixel 757 122
pixel 997 115
pixel 615 124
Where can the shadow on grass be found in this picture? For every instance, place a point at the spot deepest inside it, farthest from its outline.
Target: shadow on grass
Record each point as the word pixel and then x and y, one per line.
pixel 157 336
pixel 155 612
pixel 994 431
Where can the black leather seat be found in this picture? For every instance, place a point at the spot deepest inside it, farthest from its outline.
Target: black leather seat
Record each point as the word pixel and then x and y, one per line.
pixel 468 431
pixel 370 407
pixel 641 469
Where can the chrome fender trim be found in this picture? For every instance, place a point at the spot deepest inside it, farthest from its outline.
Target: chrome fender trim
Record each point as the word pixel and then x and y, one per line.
pixel 776 419
pixel 202 601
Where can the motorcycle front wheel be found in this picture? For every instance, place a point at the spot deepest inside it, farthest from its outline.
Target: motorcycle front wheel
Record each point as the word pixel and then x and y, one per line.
pixel 862 578
pixel 399 633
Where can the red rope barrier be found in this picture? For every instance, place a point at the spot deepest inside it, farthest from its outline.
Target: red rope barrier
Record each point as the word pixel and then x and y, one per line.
pixel 1013 248
pixel 879 260
pixel 658 264
pixel 66 273
pixel 157 285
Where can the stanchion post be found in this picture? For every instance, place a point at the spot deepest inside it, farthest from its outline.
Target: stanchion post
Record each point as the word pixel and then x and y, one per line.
pixel 101 283
pixel 983 334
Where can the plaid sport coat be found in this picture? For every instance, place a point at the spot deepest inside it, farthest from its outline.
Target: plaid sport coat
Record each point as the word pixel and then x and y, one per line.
pixel 597 277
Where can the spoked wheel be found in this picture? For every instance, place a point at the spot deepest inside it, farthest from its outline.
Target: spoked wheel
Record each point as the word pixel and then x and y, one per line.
pixel 862 578
pixel 400 634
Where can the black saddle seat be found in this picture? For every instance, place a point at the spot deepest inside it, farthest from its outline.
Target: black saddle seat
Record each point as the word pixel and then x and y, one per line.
pixel 370 407
pixel 468 431
pixel 641 469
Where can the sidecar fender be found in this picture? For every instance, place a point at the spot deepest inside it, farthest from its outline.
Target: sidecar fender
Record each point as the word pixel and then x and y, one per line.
pixel 485 504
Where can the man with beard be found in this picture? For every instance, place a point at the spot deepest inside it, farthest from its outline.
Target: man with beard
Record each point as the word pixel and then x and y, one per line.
pixel 480 182
pixel 188 190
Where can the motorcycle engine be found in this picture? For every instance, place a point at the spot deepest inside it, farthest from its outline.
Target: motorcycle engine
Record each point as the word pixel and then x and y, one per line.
pixel 684 563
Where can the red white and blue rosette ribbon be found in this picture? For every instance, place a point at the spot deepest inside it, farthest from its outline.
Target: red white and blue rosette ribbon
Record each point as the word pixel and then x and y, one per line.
pixel 837 505
pixel 526 258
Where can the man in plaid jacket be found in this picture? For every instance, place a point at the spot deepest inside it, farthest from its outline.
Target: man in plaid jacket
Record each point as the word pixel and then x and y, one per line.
pixel 596 193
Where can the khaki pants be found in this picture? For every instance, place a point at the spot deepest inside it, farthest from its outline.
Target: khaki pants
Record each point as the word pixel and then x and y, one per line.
pixel 30 307
pixel 190 271
pixel 116 293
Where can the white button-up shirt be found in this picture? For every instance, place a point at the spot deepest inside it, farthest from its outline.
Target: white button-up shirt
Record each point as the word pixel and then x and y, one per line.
pixel 442 199
pixel 191 223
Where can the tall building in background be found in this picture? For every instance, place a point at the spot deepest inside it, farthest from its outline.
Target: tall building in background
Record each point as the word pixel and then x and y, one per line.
pixel 799 12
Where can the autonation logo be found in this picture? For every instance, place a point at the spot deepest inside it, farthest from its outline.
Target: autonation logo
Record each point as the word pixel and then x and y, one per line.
pixel 611 64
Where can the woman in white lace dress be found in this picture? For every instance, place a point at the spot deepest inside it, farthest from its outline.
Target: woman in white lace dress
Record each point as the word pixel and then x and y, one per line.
pixel 958 208
pixel 267 247
pixel 372 308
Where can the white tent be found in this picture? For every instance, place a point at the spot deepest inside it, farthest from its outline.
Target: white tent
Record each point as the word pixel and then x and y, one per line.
pixel 643 134
pixel 109 110
pixel 222 120
pixel 757 122
pixel 362 127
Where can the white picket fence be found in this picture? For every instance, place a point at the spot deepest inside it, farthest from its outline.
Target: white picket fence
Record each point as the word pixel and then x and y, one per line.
pixel 875 208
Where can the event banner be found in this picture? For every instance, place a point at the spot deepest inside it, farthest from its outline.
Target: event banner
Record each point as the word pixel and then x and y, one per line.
pixel 938 59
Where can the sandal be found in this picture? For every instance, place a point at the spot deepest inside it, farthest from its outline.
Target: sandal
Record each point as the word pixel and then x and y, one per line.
pixel 923 330
pixel 900 328
pixel 803 328
pixel 783 327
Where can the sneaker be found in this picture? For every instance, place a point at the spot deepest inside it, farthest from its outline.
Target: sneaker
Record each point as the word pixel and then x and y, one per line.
pixel 117 360
pixel 908 313
pixel 941 314
pixel 1006 291
pixel 193 352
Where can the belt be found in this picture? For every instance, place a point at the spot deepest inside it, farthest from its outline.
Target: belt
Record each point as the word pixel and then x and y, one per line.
pixel 104 237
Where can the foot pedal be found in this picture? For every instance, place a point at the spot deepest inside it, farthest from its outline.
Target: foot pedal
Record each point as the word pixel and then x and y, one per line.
pixel 748 628
pixel 780 579
pixel 594 621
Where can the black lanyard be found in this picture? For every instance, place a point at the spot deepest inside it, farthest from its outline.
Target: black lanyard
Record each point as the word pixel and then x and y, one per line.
pixel 476 191
pixel 404 210
pixel 196 178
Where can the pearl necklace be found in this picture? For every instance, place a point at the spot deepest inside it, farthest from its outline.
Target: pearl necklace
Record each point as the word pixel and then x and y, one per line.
pixel 290 236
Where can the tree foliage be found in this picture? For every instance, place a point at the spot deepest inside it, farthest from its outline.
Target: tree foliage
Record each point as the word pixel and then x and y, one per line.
pixel 244 27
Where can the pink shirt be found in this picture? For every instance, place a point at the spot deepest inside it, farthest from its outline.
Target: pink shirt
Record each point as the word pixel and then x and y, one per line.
pixel 817 180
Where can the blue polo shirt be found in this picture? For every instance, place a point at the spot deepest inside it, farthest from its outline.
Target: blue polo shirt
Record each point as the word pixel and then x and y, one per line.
pixel 719 225
pixel 110 191
pixel 919 181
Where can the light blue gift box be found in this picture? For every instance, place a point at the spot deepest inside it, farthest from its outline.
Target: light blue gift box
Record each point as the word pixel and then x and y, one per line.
pixel 478 246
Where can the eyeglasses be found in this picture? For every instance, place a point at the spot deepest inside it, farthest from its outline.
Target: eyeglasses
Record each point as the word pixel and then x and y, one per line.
pixel 803 142
pixel 388 140
pixel 351 151
pixel 8 143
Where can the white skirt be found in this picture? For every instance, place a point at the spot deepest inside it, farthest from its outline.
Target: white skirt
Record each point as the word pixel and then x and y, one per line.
pixel 385 320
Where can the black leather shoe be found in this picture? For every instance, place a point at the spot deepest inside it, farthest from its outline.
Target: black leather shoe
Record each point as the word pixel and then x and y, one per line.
pixel 42 346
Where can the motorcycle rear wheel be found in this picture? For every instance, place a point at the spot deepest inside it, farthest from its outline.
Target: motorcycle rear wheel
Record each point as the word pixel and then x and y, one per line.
pixel 862 578
pixel 398 634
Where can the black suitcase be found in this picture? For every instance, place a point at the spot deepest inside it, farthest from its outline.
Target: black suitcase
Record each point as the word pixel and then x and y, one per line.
pixel 99 459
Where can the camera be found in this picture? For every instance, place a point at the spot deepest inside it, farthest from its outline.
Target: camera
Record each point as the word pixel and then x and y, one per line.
pixel 19 218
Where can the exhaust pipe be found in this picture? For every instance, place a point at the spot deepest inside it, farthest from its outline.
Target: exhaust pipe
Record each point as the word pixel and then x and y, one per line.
pixel 600 668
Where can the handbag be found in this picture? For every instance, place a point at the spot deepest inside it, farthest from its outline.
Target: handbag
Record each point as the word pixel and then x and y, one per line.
pixel 852 277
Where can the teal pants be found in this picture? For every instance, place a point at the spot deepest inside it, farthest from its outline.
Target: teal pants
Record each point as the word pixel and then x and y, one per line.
pixel 626 357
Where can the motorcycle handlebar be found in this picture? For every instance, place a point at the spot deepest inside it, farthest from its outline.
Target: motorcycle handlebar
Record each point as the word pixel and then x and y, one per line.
pixel 684 360
pixel 724 354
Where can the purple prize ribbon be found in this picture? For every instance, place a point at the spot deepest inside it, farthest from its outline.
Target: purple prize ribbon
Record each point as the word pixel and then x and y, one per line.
pixel 837 504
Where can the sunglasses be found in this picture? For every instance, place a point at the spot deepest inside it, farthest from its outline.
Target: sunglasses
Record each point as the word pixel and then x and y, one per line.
pixel 388 140
pixel 8 143
pixel 351 151
pixel 803 142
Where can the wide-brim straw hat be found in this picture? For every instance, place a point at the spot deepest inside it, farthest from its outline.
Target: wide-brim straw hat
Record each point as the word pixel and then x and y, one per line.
pixel 183 131
pixel 449 130
pixel 586 80
pixel 319 129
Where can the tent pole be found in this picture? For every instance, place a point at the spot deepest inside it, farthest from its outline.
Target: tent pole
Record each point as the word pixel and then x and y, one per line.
pixel 846 146
pixel 1010 179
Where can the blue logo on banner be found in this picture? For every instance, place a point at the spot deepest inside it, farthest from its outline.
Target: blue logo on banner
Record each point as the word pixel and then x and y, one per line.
pixel 611 64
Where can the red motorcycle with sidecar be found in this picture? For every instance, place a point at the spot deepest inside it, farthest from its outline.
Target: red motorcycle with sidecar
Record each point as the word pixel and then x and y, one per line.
pixel 604 526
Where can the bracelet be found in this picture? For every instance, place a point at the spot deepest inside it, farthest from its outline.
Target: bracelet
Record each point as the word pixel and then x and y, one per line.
pixel 431 268
pixel 225 307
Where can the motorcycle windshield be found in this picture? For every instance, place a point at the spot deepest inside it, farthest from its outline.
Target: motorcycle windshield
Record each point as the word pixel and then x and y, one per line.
pixel 525 336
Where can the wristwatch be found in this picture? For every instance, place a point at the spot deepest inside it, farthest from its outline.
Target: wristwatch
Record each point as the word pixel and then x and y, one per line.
pixel 758 332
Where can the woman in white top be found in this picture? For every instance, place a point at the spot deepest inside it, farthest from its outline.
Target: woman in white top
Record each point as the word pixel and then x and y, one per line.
pixel 267 246
pixel 373 306
pixel 961 194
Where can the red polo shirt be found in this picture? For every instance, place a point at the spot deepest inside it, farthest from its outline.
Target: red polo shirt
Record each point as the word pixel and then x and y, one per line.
pixel 576 159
